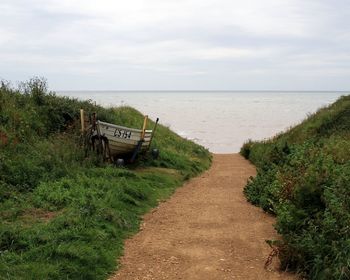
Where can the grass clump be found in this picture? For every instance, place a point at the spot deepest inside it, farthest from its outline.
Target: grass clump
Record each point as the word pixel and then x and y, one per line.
pixel 64 215
pixel 304 178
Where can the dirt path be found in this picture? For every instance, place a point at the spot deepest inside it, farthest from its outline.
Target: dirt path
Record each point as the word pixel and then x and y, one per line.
pixel 205 231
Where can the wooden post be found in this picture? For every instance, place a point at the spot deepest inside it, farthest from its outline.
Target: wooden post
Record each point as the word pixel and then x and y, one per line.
pixel 144 128
pixel 82 121
pixel 139 144
pixel 94 120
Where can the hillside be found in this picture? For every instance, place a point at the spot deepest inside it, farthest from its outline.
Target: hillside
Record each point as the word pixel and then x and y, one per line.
pixel 64 215
pixel 304 179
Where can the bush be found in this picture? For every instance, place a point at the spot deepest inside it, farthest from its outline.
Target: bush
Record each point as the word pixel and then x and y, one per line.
pixel 306 183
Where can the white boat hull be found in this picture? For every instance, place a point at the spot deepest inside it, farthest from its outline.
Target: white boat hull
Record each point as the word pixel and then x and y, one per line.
pixel 123 140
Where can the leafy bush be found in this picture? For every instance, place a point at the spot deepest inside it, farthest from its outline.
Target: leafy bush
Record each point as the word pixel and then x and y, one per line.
pixel 304 178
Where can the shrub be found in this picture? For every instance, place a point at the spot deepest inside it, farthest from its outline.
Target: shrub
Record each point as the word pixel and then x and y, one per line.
pixel 306 183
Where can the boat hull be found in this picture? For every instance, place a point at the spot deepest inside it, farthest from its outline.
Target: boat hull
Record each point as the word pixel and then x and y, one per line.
pixel 123 140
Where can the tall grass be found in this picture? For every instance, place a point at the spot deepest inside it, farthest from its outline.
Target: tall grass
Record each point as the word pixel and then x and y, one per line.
pixel 304 178
pixel 64 215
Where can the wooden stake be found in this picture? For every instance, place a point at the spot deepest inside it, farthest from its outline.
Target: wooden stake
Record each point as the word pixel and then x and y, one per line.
pixel 94 120
pixel 139 144
pixel 144 128
pixel 82 120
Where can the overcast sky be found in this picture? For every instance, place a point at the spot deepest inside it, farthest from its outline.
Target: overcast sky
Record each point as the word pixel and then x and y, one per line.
pixel 177 44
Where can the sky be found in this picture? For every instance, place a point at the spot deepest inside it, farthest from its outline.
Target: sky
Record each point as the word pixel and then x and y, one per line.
pixel 177 44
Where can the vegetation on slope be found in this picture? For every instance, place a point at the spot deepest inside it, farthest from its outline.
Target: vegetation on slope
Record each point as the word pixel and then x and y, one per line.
pixel 64 215
pixel 304 178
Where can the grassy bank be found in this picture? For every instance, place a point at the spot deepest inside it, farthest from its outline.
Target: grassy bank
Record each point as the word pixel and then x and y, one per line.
pixel 304 178
pixel 64 215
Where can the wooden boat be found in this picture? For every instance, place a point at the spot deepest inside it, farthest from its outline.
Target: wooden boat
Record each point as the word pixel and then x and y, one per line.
pixel 113 140
pixel 124 140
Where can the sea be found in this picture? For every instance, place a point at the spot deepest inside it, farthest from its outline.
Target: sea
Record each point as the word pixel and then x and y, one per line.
pixel 219 120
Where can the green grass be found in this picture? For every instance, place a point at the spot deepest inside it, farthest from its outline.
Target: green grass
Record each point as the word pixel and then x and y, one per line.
pixel 304 178
pixel 64 215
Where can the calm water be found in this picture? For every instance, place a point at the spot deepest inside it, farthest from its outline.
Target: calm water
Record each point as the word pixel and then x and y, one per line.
pixel 220 121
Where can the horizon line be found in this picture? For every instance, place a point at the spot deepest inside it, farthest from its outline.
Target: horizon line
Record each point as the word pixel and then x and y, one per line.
pixel 196 90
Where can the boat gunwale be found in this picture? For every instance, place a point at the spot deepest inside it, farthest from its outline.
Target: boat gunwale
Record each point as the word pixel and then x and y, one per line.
pixel 122 127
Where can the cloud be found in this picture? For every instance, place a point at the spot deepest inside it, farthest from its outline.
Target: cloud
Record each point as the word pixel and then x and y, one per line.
pixel 226 43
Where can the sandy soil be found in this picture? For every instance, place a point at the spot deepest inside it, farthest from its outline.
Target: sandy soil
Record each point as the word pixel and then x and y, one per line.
pixel 206 230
